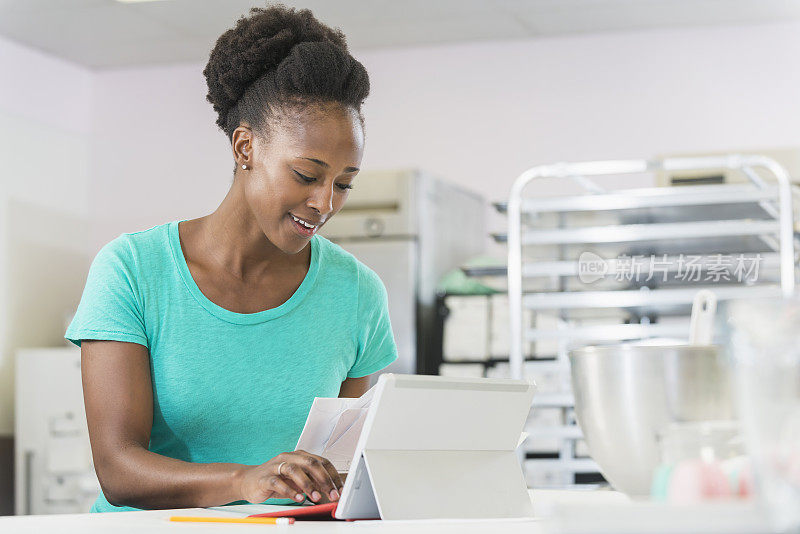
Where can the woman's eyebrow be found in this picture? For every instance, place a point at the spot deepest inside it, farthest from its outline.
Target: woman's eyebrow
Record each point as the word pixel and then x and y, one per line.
pixel 320 162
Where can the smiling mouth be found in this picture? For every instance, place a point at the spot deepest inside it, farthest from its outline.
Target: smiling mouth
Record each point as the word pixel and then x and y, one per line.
pixel 303 227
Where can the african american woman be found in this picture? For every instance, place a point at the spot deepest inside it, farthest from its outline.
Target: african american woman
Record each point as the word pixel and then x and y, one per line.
pixel 204 341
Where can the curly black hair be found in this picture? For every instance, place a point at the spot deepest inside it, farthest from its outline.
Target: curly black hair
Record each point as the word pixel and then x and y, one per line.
pixel 278 58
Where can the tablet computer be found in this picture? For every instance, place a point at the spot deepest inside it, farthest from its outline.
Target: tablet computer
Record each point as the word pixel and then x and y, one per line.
pixel 440 447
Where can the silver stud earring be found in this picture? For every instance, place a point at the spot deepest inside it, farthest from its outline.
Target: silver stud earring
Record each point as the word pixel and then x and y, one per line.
pixel 244 166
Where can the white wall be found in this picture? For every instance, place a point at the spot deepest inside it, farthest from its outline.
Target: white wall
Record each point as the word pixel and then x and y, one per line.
pixel 482 113
pixel 44 180
pixel 157 154
pixel 478 114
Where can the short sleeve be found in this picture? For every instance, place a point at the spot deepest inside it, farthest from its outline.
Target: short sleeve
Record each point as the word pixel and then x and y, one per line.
pixel 376 346
pixel 110 307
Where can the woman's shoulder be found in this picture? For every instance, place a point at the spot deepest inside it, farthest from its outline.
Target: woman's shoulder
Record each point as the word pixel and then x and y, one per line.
pixel 333 255
pixel 339 262
pixel 130 249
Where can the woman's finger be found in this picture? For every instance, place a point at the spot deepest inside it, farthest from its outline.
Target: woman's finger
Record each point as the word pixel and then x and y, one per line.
pixel 280 487
pixel 295 470
pixel 293 486
pixel 316 467
pixel 333 473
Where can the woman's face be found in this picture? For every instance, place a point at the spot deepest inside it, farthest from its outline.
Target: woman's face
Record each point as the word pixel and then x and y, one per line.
pixel 301 175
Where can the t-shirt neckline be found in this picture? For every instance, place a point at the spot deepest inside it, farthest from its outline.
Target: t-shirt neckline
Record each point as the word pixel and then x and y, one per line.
pixel 231 316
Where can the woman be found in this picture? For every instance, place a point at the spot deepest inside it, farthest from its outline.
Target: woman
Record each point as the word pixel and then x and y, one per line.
pixel 204 342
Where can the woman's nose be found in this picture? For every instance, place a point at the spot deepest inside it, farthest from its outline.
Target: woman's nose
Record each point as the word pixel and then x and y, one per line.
pixel 322 199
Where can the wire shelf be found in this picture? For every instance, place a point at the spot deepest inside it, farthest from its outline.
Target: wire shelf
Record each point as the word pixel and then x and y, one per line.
pixel 748 222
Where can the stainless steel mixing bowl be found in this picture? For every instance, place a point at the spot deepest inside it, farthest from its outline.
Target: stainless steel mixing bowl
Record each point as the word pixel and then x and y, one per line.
pixel 625 395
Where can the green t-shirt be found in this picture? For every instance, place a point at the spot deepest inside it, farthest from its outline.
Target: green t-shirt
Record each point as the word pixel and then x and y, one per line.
pixel 227 386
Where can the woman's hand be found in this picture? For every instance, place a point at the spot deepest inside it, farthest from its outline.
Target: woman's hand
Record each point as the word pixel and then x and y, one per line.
pixel 288 476
pixel 326 499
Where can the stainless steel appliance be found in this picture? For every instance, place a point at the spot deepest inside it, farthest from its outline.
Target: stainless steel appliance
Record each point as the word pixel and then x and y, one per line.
pixel 410 228
pixel 627 395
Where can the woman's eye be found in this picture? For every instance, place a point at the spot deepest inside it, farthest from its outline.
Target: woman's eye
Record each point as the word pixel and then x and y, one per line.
pixel 304 177
pixel 308 180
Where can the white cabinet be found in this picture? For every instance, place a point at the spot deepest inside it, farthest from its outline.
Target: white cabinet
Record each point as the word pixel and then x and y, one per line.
pixel 44 258
pixel 54 471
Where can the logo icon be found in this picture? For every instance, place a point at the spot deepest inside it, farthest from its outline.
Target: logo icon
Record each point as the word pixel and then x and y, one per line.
pixel 591 267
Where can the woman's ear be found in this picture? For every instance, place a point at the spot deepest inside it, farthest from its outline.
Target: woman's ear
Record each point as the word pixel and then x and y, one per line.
pixel 242 146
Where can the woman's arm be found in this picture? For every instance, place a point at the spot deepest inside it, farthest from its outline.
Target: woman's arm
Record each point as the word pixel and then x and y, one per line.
pixel 118 395
pixel 354 387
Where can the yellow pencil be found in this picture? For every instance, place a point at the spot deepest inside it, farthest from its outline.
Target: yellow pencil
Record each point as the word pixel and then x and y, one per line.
pixel 261 520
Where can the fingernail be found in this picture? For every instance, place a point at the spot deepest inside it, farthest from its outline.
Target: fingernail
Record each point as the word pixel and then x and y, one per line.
pixel 298 497
pixel 334 495
pixel 316 496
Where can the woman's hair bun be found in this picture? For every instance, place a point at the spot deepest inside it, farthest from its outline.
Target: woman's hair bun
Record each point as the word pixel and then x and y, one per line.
pixel 288 42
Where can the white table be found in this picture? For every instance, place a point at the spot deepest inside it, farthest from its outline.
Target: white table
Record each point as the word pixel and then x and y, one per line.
pixel 157 521
pixel 556 512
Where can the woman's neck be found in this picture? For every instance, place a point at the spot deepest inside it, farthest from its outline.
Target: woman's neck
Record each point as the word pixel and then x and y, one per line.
pixel 232 240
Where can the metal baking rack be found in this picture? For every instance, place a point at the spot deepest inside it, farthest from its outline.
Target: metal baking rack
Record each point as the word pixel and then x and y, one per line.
pixel 548 236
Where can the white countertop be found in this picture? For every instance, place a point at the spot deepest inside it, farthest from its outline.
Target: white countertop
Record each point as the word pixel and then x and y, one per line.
pixel 556 512
pixel 157 521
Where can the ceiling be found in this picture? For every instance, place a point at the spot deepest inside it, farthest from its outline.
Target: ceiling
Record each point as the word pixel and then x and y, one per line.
pixel 102 34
